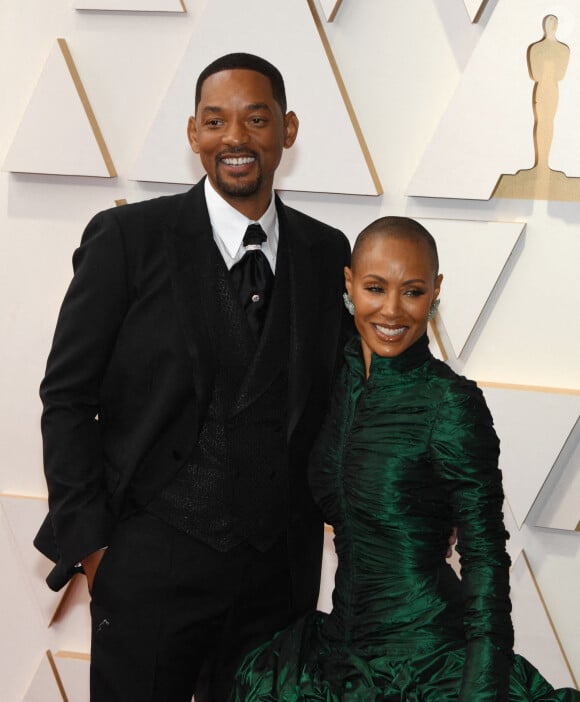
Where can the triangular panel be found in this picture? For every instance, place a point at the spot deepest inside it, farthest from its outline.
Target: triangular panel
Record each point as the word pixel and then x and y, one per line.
pixel 472 257
pixel 475 8
pixel 73 671
pixel 329 155
pixel 558 504
pixel 533 427
pixel 329 564
pixel 330 8
pixel 132 5
pixel 535 636
pixel 59 133
pixel 46 684
pixel 487 130
pixel 436 345
pixel 24 515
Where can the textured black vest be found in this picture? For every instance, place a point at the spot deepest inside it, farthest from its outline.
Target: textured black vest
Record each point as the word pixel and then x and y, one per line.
pixel 234 486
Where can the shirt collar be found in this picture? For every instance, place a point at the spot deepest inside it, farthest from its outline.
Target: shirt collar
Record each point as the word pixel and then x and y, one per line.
pixel 230 225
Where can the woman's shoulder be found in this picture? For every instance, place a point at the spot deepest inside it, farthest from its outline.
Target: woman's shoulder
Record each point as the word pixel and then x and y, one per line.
pixel 449 379
pixel 455 390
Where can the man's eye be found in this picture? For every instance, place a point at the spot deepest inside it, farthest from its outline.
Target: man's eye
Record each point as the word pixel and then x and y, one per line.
pixel 213 122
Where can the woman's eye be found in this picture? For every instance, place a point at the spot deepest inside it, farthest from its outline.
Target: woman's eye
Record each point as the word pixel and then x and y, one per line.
pixel 374 288
pixel 414 293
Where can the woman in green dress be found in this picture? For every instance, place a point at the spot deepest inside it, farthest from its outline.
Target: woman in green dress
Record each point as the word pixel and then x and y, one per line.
pixel 407 452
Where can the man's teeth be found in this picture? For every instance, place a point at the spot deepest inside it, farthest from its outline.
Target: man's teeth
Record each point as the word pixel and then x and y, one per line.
pixel 389 332
pixel 241 161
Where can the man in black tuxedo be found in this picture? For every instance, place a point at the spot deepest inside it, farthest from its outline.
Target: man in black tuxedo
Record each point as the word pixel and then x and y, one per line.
pixel 177 429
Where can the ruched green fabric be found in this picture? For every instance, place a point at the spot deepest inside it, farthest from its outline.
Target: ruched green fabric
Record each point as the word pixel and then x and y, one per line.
pixel 403 457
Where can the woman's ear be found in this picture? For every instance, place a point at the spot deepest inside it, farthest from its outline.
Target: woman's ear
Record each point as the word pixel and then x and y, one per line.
pixel 437 289
pixel 348 279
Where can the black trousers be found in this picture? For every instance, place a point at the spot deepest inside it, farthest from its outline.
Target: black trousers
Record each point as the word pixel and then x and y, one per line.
pixel 172 617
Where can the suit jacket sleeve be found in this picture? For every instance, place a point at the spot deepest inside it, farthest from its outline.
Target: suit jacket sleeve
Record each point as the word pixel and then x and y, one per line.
pixel 91 314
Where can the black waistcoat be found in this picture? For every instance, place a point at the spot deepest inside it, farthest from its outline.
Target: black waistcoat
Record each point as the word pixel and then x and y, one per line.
pixel 234 486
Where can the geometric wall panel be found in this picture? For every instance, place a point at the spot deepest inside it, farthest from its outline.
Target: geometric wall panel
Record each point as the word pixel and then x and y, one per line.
pixel 132 5
pixel 20 517
pixel 487 130
pixel 329 155
pixel 59 133
pixel 475 8
pixel 46 685
pixel 535 636
pixel 60 677
pixel 330 8
pixel 533 427
pixel 23 516
pixel 436 345
pixel 329 564
pixel 472 257
pixel 558 504
pixel 74 672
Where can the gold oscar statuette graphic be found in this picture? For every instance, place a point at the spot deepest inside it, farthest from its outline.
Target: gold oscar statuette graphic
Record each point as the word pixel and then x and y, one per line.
pixel 547 63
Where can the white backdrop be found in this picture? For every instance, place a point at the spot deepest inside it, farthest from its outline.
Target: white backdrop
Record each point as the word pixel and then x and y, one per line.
pixel 400 62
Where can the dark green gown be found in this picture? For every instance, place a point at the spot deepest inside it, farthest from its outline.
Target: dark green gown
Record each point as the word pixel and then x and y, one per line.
pixel 402 457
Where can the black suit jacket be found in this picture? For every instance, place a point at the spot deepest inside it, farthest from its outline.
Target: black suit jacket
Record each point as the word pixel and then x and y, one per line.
pixel 129 375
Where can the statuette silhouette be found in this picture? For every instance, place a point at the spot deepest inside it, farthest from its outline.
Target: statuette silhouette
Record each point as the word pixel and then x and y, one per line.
pixel 547 63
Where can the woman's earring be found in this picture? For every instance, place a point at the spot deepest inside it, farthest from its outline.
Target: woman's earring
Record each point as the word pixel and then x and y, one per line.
pixel 348 303
pixel 432 309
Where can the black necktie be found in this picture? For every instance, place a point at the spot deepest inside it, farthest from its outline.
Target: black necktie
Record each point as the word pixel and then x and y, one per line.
pixel 252 277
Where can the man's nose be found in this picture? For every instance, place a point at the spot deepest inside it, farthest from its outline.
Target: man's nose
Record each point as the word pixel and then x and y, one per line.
pixel 236 133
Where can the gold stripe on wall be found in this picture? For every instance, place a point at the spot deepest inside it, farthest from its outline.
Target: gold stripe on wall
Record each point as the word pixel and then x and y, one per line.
pixel 87 107
pixel 530 388
pixel 335 10
pixel 57 676
pixel 346 99
pixel 564 656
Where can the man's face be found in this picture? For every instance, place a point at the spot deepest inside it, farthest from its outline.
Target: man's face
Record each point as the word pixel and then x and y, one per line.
pixel 239 132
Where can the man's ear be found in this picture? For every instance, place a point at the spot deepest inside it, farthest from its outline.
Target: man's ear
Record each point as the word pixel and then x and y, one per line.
pixel 192 135
pixel 291 124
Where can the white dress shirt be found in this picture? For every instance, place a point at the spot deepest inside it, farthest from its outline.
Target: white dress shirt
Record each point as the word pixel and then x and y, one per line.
pixel 229 226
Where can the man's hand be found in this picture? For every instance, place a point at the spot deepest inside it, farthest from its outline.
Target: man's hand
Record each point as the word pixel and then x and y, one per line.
pixel 90 566
pixel 452 542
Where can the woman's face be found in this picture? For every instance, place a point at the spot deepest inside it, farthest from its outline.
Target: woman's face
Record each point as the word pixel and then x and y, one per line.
pixel 392 284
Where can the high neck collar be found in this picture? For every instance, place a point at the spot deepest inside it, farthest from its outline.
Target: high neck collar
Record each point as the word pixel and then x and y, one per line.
pixel 409 359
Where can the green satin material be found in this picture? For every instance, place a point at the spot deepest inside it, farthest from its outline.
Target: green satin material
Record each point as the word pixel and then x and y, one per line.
pixel 402 457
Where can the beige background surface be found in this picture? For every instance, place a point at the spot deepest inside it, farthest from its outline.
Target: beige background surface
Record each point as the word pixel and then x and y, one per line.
pixel 401 63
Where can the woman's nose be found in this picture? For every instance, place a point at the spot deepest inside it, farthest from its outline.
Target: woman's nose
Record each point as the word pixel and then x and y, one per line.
pixel 391 305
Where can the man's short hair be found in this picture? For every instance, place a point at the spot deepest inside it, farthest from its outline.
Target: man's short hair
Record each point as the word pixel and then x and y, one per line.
pixel 248 62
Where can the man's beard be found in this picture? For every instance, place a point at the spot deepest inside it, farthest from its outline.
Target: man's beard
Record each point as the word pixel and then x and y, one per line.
pixel 239 188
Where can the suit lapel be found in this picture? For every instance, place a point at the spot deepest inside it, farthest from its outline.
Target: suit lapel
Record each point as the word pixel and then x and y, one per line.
pixel 191 257
pixel 303 313
pixel 192 265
